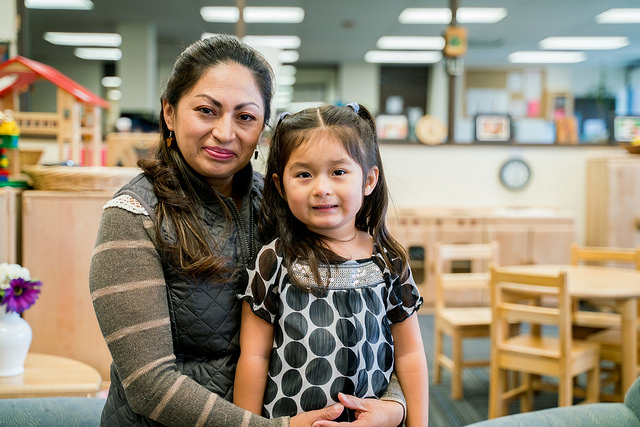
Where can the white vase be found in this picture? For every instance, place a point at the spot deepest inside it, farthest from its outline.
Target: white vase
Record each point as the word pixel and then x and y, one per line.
pixel 15 339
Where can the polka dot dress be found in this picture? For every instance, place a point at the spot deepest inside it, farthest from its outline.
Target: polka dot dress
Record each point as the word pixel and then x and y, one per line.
pixel 339 341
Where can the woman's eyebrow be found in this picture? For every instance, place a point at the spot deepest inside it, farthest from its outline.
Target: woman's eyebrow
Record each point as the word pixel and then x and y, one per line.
pixel 219 104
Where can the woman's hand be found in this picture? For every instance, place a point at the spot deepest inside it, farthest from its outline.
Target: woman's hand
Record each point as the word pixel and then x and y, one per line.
pixel 369 412
pixel 307 419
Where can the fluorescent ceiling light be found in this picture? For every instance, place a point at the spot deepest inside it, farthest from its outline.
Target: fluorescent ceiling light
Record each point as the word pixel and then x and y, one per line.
pixel 220 14
pixel 619 16
pixel 84 39
pixel 288 56
pixel 539 57
pixel 584 43
pixel 254 15
pixel 399 42
pixel 98 54
pixel 287 70
pixel 111 81
pixel 442 15
pixel 279 42
pixel 276 15
pixel 286 80
pixel 114 95
pixel 402 57
pixel 59 4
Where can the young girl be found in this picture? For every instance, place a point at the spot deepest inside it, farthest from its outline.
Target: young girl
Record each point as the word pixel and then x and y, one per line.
pixel 330 303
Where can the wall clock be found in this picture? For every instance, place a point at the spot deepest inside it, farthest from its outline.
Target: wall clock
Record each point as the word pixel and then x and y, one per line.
pixel 515 174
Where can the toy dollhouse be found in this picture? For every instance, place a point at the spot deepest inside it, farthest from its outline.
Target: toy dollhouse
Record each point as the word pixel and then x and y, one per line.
pixel 77 121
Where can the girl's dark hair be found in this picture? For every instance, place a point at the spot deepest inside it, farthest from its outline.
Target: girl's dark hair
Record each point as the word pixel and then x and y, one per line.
pixel 355 127
pixel 173 179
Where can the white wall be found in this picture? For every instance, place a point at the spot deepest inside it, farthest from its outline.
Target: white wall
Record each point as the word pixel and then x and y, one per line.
pixel 467 176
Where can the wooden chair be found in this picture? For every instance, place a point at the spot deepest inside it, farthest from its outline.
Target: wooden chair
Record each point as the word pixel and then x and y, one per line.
pixel 536 352
pixel 461 322
pixel 609 338
pixel 600 315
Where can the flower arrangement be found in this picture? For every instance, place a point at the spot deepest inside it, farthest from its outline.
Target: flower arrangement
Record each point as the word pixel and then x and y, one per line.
pixel 17 291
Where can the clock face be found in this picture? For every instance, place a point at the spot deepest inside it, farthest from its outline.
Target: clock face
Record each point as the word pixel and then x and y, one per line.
pixel 515 174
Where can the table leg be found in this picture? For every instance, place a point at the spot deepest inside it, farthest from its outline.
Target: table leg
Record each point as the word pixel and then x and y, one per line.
pixel 629 311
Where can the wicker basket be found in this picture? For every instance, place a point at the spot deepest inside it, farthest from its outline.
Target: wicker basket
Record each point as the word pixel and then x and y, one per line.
pixel 30 157
pixel 79 178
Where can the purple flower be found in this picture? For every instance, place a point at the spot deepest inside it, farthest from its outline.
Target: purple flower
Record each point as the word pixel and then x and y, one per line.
pixel 21 294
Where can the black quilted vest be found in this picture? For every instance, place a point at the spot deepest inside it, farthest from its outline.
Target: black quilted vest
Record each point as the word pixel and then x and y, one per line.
pixel 205 315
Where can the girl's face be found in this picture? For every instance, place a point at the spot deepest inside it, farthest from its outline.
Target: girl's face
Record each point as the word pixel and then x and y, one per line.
pixel 324 186
pixel 218 123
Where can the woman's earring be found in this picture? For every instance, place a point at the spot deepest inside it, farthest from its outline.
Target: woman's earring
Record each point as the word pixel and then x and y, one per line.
pixel 170 139
pixel 255 155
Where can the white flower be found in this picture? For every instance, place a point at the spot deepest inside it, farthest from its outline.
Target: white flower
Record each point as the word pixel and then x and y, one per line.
pixel 8 272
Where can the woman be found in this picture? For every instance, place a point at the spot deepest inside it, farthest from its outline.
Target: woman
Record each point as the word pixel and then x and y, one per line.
pixel 172 249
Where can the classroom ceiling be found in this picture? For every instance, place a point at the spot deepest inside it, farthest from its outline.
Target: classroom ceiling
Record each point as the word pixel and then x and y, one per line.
pixel 338 31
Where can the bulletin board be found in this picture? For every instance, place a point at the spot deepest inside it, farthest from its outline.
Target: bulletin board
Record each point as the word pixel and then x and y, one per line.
pixel 516 92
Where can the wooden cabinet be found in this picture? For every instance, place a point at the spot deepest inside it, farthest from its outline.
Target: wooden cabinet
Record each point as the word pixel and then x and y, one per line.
pixel 59 230
pixel 526 236
pixel 613 201
pixel 9 225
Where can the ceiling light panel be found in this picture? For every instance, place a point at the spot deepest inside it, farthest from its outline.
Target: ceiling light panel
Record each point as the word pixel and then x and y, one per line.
pixel 98 54
pixel 220 14
pixel 619 16
pixel 254 15
pixel 59 4
pixel 278 42
pixel 275 15
pixel 442 15
pixel 84 39
pixel 402 57
pixel 584 43
pixel 545 57
pixel 401 42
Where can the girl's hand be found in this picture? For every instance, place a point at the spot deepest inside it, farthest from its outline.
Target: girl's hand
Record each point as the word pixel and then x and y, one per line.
pixel 369 412
pixel 307 419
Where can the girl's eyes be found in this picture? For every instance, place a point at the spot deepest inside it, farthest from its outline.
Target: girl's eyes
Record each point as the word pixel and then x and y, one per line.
pixel 338 172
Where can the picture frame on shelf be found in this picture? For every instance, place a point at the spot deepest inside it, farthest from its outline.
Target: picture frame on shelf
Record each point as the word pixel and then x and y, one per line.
pixel 493 128
pixel 626 128
pixel 559 105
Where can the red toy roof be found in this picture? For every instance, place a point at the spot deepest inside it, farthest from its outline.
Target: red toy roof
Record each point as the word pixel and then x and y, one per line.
pixel 20 72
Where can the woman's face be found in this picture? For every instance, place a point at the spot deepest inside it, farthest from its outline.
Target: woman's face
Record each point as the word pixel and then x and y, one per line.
pixel 218 123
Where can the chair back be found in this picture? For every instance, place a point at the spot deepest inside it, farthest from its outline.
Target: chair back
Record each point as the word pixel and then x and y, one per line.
pixel 600 254
pixel 522 298
pixel 448 283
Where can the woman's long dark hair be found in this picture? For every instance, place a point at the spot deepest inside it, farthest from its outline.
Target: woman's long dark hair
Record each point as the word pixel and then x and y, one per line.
pixel 355 127
pixel 173 179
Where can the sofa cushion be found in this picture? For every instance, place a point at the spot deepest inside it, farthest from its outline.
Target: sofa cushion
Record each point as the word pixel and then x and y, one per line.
pixel 51 411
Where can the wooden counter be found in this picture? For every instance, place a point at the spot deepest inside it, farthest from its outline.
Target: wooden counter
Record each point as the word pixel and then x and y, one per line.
pixel 525 235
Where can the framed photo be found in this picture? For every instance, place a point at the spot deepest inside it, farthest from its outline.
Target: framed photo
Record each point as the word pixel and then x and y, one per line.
pixel 394 127
pixel 626 128
pixel 559 105
pixel 493 128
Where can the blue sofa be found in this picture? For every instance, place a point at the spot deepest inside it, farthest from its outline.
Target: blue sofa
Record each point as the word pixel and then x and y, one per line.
pixel 51 412
pixel 625 414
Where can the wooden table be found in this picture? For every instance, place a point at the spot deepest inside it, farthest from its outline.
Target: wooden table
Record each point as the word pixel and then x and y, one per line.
pixel 47 376
pixel 603 283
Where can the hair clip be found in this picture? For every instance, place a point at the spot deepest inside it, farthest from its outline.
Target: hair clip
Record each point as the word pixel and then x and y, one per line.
pixel 354 106
pixel 282 116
